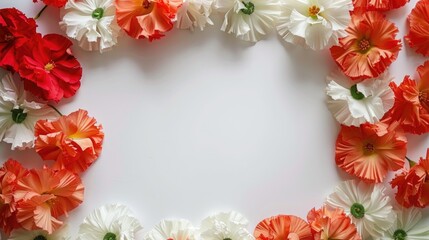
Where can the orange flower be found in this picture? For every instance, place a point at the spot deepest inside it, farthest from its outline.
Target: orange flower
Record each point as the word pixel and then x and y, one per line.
pixel 44 195
pixel 146 18
pixel 328 224
pixel 379 5
pixel 371 150
pixel 73 141
pixel 283 227
pixel 418 36
pixel 369 48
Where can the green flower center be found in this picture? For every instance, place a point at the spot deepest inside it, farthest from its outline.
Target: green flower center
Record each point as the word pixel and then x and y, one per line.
pixel 227 239
pixel 399 234
pixel 357 210
pixel 250 8
pixel 109 236
pixel 355 93
pixel 98 13
pixel 40 237
pixel 18 115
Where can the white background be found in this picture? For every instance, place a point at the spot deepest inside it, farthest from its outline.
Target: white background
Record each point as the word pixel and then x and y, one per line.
pixel 202 122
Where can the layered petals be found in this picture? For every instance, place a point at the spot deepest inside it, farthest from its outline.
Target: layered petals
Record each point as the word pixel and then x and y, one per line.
pixel 418 35
pixel 194 14
pixel 283 227
pixel 379 5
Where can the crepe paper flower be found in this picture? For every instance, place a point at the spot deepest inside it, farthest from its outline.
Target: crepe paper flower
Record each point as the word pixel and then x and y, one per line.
pixel 175 229
pixel 22 234
pixel 371 150
pixel 248 20
pixel 194 14
pixel 379 5
pixel 15 30
pixel 146 18
pixel 366 204
pixel 44 195
pixel 92 23
pixel 225 225
pixel 73 141
pixel 327 223
pixel 54 3
pixel 283 227
pixel 354 103
pixel 110 222
pixel 10 173
pixel 18 114
pixel 48 68
pixel 314 24
pixel 418 35
pixel 369 48
pixel 413 185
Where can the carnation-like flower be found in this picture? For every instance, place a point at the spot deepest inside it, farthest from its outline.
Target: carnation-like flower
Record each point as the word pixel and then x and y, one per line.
pixel 418 20
pixel 379 5
pixel 92 23
pixel 369 48
pixel 109 222
pixel 194 14
pixel 371 150
pixel 283 227
pixel 22 234
pixel 354 103
pixel 327 223
pixel 44 195
pixel 54 3
pixel 315 24
pixel 73 141
pixel 225 225
pixel 19 114
pixel 367 205
pixel 176 229
pixel 146 18
pixel 48 68
pixel 248 20
pixel 15 30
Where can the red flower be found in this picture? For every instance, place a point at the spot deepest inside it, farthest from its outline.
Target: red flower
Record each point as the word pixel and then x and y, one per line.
pixel 55 3
pixel 48 68
pixel 413 185
pixel 369 48
pixel 15 30
pixel 379 5
pixel 418 37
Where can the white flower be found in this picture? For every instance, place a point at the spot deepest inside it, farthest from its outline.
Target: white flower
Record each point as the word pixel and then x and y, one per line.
pixel 21 234
pixel 314 23
pixel 406 226
pixel 231 225
pixel 19 114
pixel 194 13
pixel 91 22
pixel 112 221
pixel 172 229
pixel 354 103
pixel 249 20
pixel 366 204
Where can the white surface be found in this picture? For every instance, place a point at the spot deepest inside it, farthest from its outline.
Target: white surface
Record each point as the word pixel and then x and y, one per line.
pixel 201 122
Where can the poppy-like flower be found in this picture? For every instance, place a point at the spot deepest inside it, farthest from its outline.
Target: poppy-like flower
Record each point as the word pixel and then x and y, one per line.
pixel 315 24
pixel 110 222
pixel 379 5
pixel 371 150
pixel 73 141
pixel 366 204
pixel 283 227
pixel 22 234
pixel 194 14
pixel 44 195
pixel 146 18
pixel 177 229
pixel 248 20
pixel 411 106
pixel 92 23
pixel 225 225
pixel 327 223
pixel 369 48
pixel 15 30
pixel 48 68
pixel 413 185
pixel 54 3
pixel 418 35
pixel 354 103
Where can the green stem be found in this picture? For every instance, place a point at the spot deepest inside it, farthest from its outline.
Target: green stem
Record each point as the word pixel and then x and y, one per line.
pixel 40 12
pixel 411 162
pixel 56 110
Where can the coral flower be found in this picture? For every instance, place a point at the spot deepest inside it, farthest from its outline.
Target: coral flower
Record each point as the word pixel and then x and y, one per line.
pixel 369 48
pixel 413 185
pixel 379 5
pixel 371 150
pixel 329 223
pixel 418 36
pixel 73 141
pixel 146 18
pixel 44 195
pixel 283 227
